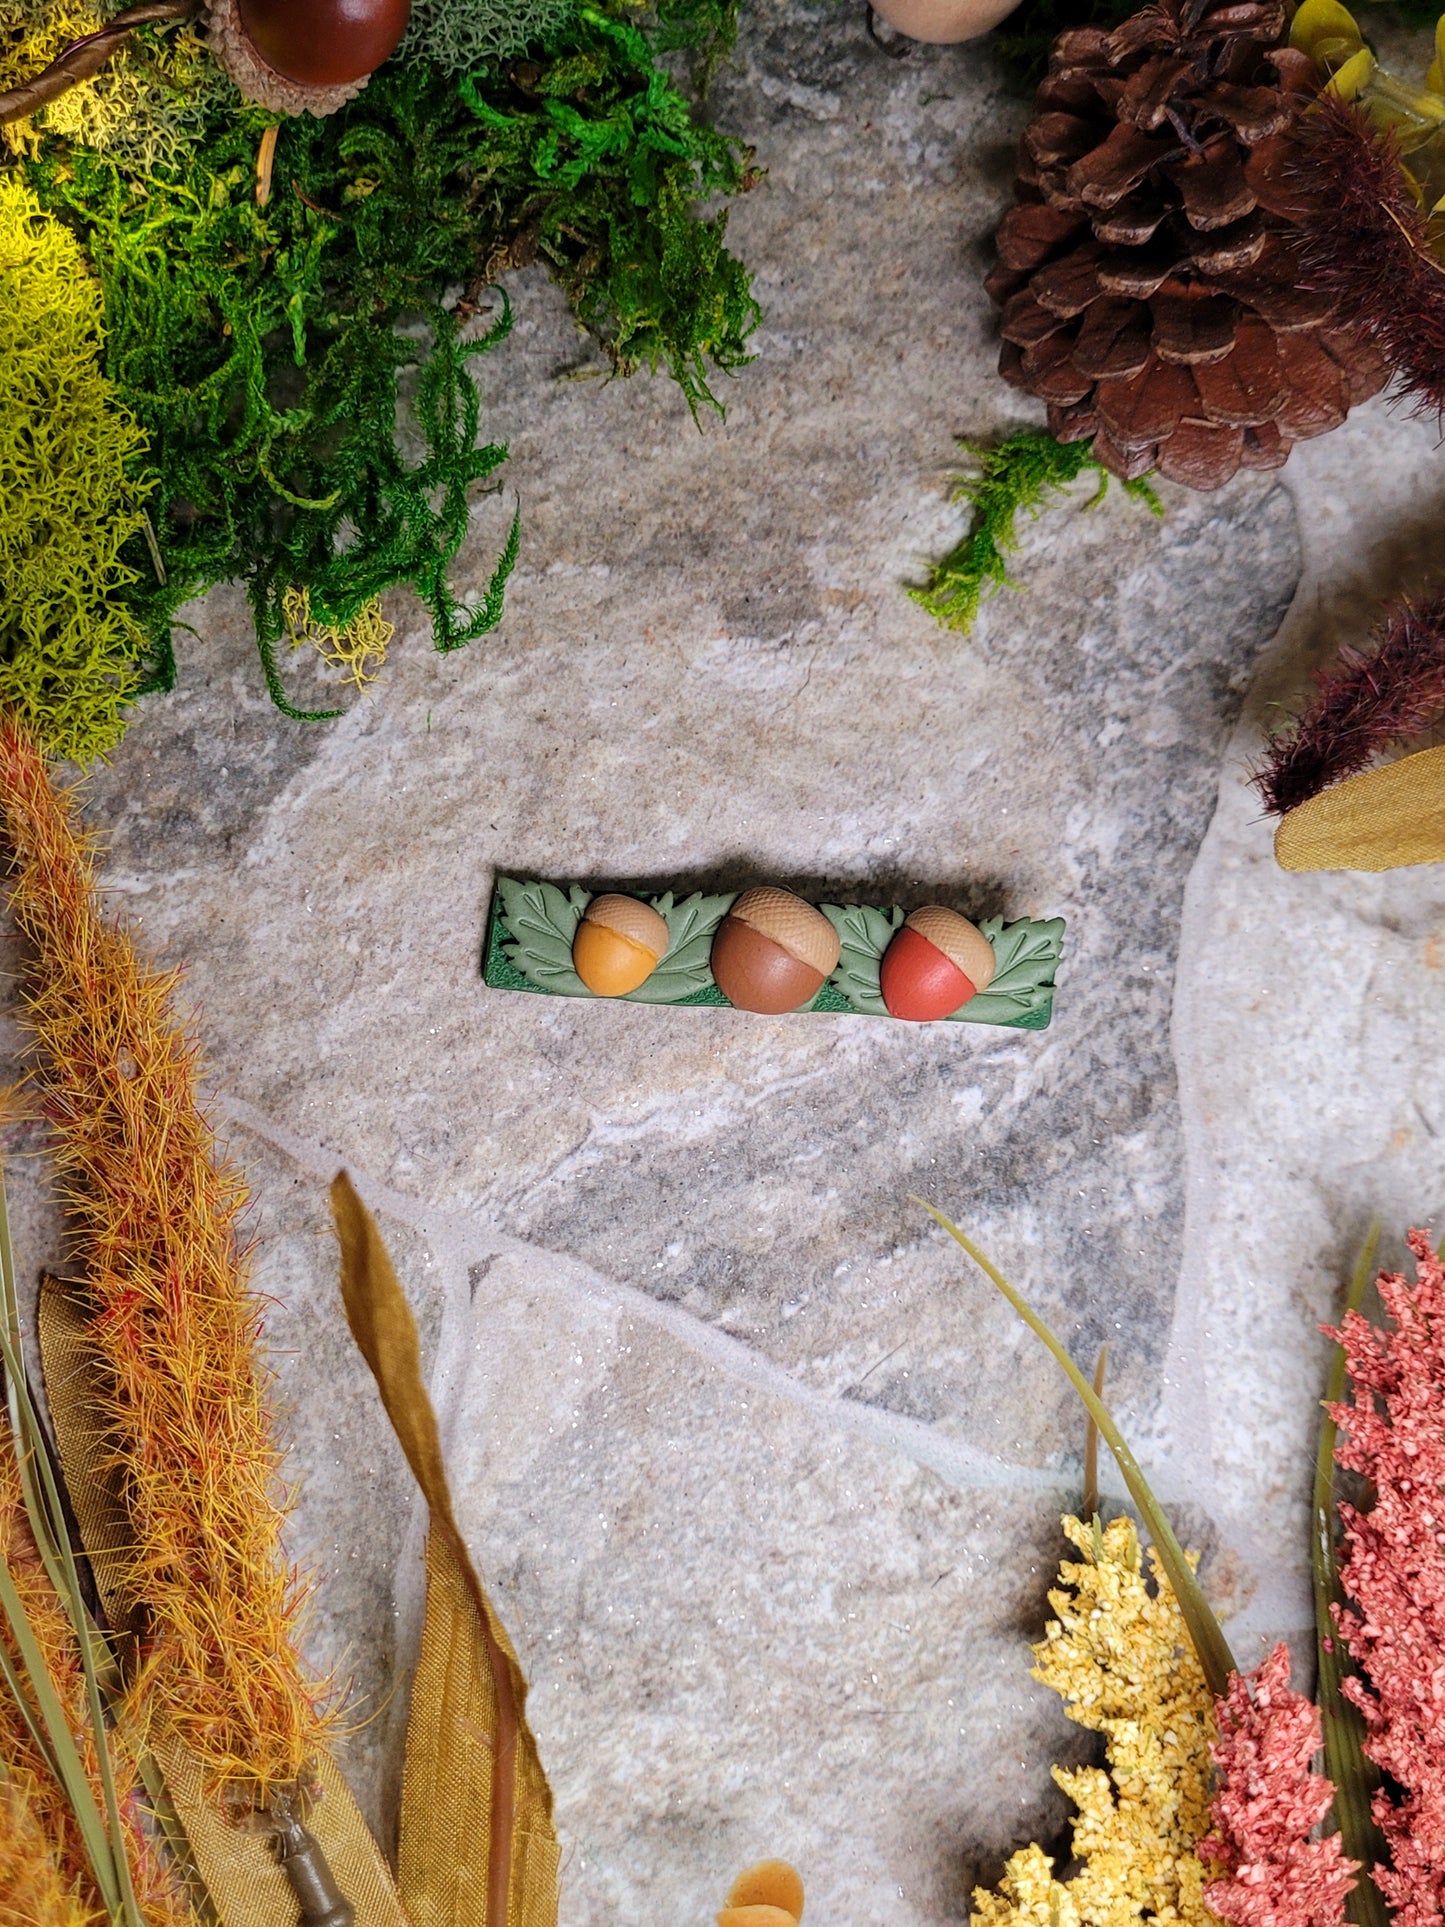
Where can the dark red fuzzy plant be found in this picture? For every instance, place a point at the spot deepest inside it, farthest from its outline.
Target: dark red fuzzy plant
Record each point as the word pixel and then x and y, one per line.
pixel 1364 706
pixel 1367 244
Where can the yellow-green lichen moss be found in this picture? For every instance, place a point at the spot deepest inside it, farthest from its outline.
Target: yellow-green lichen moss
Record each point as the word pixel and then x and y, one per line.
pixel 68 649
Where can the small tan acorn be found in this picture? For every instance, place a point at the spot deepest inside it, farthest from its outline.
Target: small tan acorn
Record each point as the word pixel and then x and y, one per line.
pixel 942 22
pixel 773 952
pixel 619 943
pixel 934 965
pixel 767 1895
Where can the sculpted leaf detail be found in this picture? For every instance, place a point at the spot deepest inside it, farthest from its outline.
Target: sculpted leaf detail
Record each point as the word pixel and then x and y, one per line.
pixel 686 969
pixel 541 924
pixel 1028 954
pixel 864 933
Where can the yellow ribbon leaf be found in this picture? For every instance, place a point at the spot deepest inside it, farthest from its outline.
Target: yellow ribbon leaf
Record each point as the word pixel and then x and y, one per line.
pixel 1383 820
pixel 478 1847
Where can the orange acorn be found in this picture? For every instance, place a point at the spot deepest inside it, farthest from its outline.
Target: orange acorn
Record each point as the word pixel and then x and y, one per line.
pixel 619 943
pixel 773 953
pixel 767 1895
pixel 935 963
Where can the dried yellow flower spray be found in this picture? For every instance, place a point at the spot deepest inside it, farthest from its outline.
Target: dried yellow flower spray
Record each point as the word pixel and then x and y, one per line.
pixel 1142 1663
pixel 1120 1657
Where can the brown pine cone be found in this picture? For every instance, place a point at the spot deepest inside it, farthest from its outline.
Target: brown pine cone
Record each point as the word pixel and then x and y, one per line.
pixel 1150 273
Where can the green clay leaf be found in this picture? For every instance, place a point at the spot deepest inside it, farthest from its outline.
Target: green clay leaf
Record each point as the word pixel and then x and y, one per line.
pixel 864 933
pixel 687 967
pixel 1028 955
pixel 541 924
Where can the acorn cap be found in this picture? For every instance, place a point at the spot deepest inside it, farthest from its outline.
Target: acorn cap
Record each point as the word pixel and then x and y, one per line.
pixel 964 945
pixel 631 917
pixel 794 926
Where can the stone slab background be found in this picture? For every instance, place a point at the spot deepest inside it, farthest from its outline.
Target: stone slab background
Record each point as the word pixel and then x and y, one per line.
pixel 765 1484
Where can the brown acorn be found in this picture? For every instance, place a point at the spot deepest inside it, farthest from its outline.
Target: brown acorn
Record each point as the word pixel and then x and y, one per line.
pixel 1152 276
pixel 304 56
pixel 773 952
pixel 619 943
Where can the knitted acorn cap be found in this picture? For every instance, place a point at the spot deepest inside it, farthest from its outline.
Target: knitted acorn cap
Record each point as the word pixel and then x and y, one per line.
pixel 1152 274
pixel 233 48
pixel 630 918
pixel 963 943
pixel 795 926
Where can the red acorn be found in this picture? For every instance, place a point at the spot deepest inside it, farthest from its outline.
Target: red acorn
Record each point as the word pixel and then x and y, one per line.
pixel 935 963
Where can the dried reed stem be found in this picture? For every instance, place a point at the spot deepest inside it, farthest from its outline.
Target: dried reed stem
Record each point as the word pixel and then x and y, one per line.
pixel 45 1876
pixel 154 1213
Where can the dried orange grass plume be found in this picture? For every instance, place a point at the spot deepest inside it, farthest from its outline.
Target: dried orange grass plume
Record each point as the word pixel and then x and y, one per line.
pixel 45 1878
pixel 154 1214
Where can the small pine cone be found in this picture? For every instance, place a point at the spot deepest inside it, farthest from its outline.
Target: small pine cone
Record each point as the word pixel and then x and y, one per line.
pixel 1150 271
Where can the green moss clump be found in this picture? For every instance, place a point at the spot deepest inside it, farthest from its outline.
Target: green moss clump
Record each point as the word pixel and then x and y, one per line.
pixel 68 645
pixel 302 370
pixel 1017 477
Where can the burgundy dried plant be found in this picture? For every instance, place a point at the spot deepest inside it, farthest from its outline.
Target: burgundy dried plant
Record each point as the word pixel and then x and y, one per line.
pixel 1364 705
pixel 1369 245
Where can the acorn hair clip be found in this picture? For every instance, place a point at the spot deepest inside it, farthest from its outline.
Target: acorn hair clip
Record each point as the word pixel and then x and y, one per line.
pixel 766 950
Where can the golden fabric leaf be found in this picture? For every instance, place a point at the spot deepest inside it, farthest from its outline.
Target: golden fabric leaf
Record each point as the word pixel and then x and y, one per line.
pixel 478 1848
pixel 1382 820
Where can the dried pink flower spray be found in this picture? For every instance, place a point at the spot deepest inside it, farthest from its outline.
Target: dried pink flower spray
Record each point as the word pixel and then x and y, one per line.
pixel 1271 1874
pixel 1392 1565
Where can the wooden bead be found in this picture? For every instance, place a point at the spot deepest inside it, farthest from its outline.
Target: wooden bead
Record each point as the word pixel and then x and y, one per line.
pixel 619 943
pixel 934 965
pixel 324 43
pixel 943 21
pixel 770 1883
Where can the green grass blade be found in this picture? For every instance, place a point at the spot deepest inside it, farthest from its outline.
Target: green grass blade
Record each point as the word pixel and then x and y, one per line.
pixel 52 1538
pixel 1204 1628
pixel 63 1752
pixel 1354 1776
pixel 1091 1442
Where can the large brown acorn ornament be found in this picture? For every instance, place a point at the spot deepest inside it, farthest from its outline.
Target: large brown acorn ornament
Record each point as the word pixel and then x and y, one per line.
pixel 1152 275
pixel 773 952
pixel 304 56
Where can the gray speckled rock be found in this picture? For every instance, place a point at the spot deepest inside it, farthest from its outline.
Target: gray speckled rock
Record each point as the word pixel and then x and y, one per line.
pixel 765 1483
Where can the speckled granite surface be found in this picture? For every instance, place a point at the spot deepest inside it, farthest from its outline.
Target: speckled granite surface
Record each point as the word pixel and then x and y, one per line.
pixel 765 1484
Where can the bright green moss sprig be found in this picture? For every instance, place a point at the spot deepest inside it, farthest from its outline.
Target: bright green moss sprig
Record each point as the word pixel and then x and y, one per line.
pixel 1018 476
pixel 68 644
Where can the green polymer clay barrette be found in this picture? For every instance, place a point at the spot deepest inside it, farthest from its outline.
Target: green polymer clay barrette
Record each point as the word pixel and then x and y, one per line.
pixel 766 950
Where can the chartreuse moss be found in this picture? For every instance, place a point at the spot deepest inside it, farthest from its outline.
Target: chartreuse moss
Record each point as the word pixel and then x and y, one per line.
pixel 1019 476
pixel 302 370
pixel 68 642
